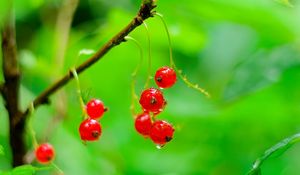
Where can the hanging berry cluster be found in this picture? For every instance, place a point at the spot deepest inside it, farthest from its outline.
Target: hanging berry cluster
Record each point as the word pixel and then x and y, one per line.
pixel 90 129
pixel 153 102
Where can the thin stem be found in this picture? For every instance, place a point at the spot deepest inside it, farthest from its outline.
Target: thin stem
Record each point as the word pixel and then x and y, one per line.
pixel 137 68
pixel 133 99
pixel 44 168
pixel 133 92
pixel 173 65
pixel 78 90
pixel 30 128
pixel 149 56
pixel 57 168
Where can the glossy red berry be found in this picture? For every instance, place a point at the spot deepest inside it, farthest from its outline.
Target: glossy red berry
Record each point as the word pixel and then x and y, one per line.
pixel 90 130
pixel 143 124
pixel 44 153
pixel 161 132
pixel 152 100
pixel 95 108
pixel 165 77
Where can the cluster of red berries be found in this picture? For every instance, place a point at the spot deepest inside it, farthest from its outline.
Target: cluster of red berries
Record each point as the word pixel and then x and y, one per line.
pixel 44 153
pixel 153 102
pixel 90 129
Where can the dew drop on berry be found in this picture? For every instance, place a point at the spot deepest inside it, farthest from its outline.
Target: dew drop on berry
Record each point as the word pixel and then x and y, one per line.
pixel 159 146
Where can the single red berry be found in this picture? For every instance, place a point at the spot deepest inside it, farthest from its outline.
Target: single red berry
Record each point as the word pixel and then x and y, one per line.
pixel 161 132
pixel 143 124
pixel 165 77
pixel 90 130
pixel 95 108
pixel 44 153
pixel 152 100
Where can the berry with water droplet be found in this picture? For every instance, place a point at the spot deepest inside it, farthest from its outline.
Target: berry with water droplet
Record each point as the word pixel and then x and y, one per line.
pixel 90 130
pixel 165 77
pixel 161 132
pixel 143 124
pixel 95 108
pixel 152 100
pixel 44 153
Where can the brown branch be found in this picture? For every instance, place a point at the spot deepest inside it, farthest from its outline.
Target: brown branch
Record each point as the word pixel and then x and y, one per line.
pixel 10 88
pixel 145 11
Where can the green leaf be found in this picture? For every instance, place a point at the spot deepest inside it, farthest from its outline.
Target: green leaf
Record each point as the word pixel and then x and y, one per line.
pixel 23 170
pixel 276 150
pixel 255 172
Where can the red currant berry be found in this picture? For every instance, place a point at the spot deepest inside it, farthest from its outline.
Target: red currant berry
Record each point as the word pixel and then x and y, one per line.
pixel 44 153
pixel 165 77
pixel 90 130
pixel 95 108
pixel 143 124
pixel 161 132
pixel 152 100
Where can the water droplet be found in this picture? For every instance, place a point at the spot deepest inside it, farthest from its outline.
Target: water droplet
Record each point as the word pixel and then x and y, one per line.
pixel 159 146
pixel 180 71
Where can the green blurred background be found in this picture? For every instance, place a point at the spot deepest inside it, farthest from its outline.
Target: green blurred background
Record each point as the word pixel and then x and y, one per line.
pixel 245 53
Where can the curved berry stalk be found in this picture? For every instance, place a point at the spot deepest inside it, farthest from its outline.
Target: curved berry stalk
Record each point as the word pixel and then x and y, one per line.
pixel 149 56
pixel 134 96
pixel 141 55
pixel 44 153
pixel 173 65
pixel 30 128
pixel 60 172
pixel 82 105
pixel 133 93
